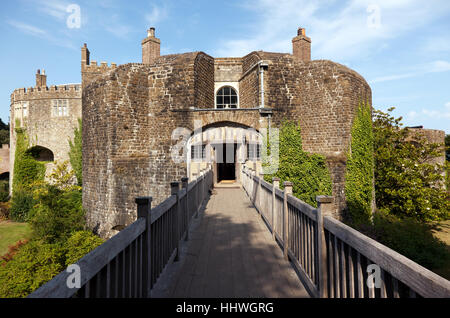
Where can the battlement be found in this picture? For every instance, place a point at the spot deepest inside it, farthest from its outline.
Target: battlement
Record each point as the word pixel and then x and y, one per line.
pixel 54 91
pixel 90 70
pixel 103 67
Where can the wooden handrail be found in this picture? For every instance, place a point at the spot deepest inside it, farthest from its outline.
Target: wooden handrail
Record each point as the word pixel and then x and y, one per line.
pixel 129 263
pixel 331 263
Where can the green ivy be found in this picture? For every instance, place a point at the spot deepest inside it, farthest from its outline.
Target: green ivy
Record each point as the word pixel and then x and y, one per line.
pixel 360 165
pixel 75 153
pixel 307 172
pixel 27 171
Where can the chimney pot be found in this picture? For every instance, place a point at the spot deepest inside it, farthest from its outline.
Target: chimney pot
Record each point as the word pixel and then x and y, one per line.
pixel 151 32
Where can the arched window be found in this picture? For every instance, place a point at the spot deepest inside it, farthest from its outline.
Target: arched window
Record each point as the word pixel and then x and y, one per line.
pixel 226 97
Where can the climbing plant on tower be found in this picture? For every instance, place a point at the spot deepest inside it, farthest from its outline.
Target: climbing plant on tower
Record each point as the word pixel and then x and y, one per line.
pixel 360 165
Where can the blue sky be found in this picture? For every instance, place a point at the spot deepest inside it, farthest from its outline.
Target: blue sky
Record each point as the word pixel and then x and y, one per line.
pixel 401 47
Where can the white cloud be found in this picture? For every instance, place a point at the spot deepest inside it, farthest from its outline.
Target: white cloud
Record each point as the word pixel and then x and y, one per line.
pixel 54 8
pixel 156 15
pixel 439 113
pixel 419 70
pixel 447 106
pixel 27 28
pixel 40 33
pixel 337 32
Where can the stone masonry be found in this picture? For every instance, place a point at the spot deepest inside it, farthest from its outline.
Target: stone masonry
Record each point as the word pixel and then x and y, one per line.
pixel 49 115
pixel 130 112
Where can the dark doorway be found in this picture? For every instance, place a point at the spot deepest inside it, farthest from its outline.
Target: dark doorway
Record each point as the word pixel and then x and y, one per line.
pixel 226 162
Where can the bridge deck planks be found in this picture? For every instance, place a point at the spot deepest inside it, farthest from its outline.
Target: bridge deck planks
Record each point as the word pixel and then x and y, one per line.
pixel 231 253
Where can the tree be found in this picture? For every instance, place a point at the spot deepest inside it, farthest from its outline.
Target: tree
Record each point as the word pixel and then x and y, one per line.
pixel 407 182
pixel 75 153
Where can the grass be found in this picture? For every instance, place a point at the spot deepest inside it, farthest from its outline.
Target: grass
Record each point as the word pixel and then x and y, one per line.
pixel 442 232
pixel 12 232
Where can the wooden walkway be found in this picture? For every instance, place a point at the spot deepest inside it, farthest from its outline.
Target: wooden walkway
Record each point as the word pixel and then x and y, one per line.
pixel 230 253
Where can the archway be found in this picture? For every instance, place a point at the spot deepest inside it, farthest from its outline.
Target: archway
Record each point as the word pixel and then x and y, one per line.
pixel 225 147
pixel 41 153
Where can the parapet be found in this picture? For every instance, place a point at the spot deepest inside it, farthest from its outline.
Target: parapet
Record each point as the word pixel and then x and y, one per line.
pixel 54 91
pixel 90 70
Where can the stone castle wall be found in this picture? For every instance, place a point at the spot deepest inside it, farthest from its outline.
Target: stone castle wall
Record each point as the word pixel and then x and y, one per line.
pixel 129 116
pixel 131 112
pixel 43 127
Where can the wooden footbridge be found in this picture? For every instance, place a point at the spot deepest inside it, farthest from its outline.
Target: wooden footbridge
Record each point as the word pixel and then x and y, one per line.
pixel 249 240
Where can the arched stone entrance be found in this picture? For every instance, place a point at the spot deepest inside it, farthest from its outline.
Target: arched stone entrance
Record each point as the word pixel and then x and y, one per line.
pixel 225 147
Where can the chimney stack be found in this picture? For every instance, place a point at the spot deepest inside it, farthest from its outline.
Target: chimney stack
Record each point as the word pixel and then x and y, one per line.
pixel 301 46
pixel 150 47
pixel 41 79
pixel 84 56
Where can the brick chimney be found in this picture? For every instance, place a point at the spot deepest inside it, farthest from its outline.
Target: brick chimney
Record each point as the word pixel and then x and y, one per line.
pixel 301 46
pixel 150 47
pixel 41 79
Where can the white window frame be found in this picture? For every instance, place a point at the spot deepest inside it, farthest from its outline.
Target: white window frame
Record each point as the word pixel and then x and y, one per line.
pixel 220 85
pixel 60 107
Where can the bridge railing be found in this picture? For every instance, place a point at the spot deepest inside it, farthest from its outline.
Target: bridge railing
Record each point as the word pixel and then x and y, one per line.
pixel 332 259
pixel 130 263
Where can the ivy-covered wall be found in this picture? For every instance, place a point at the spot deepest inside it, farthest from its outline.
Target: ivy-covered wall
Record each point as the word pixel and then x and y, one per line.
pixel 359 184
pixel 307 172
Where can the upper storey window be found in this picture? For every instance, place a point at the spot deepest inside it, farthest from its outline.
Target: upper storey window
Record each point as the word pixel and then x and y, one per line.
pixel 226 97
pixel 21 110
pixel 60 107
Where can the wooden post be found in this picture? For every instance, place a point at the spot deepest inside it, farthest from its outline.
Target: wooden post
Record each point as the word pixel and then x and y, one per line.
pixel 287 190
pixel 276 184
pixel 184 185
pixel 144 211
pixel 260 199
pixel 324 207
pixel 175 190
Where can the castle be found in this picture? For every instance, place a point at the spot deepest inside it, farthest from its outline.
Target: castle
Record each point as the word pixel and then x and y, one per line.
pixel 130 113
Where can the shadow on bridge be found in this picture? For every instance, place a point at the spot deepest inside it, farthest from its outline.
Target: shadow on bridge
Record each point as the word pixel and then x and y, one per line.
pixel 230 253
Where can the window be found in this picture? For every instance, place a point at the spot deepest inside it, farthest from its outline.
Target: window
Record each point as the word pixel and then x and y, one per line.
pixel 60 107
pixel 198 151
pixel 25 109
pixel 226 97
pixel 254 151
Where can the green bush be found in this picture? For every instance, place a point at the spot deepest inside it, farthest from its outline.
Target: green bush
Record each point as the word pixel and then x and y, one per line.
pixel 21 205
pixel 37 262
pixel 56 214
pixel 80 244
pixel 307 172
pixel 410 238
pixel 4 190
pixel 407 182
pixel 34 264
pixel 5 210
pixel 360 165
